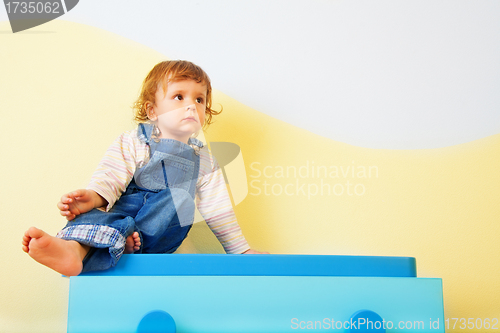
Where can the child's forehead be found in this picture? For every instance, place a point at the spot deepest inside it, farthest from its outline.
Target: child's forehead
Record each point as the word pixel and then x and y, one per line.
pixel 168 83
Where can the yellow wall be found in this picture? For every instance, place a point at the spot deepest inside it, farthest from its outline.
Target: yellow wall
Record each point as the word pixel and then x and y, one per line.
pixel 65 92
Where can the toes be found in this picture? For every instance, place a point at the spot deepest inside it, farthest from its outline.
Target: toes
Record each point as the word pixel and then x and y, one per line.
pixel 133 243
pixel 137 239
pixel 35 232
pixel 26 239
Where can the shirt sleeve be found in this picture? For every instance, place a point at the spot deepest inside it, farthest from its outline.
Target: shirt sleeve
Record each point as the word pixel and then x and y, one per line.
pixel 117 167
pixel 215 206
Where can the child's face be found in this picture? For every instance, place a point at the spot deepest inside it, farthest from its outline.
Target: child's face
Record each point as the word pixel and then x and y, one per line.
pixel 181 111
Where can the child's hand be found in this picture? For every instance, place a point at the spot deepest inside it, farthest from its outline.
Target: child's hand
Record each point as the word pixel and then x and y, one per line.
pixel 79 202
pixel 254 252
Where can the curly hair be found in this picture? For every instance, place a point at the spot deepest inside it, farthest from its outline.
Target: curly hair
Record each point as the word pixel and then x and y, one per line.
pixel 171 71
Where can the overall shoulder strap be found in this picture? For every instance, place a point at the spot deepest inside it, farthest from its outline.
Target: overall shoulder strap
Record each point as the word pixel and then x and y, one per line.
pixel 196 142
pixel 144 132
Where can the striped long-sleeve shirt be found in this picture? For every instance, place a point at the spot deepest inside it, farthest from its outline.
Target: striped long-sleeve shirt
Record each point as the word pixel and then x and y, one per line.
pixel 128 153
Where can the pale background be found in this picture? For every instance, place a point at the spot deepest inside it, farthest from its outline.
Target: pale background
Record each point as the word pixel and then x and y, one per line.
pixel 410 88
pixel 379 74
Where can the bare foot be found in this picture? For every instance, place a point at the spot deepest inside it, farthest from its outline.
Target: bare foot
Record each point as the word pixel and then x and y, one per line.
pixel 63 256
pixel 133 243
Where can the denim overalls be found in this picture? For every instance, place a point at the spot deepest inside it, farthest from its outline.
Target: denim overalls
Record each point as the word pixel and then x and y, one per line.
pixel 158 203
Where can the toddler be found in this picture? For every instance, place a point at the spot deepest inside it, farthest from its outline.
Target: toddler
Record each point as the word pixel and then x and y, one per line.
pixel 141 197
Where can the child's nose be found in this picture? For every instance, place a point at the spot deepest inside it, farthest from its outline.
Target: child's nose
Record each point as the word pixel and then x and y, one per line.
pixel 191 108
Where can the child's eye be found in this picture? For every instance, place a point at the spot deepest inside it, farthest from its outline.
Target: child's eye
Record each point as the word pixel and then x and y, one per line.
pixel 199 100
pixel 178 97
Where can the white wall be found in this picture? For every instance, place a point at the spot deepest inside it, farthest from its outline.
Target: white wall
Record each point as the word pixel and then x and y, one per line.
pixel 380 74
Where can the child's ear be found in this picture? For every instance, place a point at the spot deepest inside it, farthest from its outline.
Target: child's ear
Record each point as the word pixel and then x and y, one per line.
pixel 150 112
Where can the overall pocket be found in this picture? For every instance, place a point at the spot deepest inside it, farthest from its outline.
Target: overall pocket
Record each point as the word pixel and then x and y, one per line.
pixel 178 171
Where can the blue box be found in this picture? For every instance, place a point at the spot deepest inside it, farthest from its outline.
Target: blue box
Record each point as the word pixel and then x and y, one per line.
pixel 256 293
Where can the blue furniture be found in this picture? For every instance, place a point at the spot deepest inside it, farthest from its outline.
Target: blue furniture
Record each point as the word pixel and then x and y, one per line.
pixel 256 293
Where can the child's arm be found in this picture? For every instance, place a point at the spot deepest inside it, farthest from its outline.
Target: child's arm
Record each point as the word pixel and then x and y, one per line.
pixel 215 206
pixel 254 252
pixel 79 202
pixel 117 167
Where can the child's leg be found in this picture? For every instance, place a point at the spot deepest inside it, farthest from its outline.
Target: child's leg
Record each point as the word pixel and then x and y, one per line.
pixel 159 224
pixel 63 256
